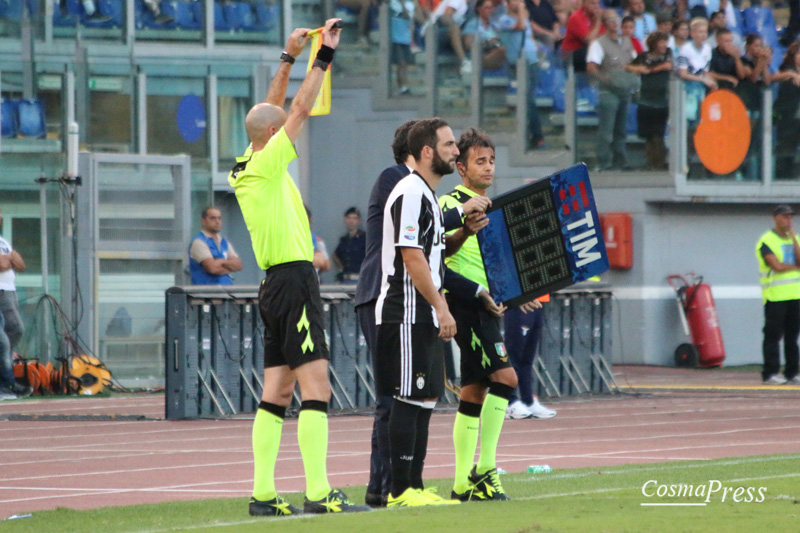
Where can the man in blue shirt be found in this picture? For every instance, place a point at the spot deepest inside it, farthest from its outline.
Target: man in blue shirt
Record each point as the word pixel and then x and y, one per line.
pixel 211 257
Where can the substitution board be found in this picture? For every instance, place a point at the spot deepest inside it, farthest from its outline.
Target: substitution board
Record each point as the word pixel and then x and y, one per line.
pixel 542 237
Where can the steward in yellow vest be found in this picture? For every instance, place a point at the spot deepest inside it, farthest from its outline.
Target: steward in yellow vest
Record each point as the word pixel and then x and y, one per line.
pixel 778 255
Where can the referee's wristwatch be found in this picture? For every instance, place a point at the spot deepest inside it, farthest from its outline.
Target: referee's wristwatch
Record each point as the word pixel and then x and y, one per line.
pixel 287 58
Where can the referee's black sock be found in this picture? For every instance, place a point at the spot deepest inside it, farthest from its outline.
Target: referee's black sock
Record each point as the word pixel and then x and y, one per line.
pixel 420 447
pixel 402 441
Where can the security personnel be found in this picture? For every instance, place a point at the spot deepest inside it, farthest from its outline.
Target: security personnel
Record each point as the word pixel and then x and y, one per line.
pixel 211 257
pixel 778 254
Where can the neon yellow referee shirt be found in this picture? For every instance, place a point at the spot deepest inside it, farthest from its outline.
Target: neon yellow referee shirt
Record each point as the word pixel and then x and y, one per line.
pixel 271 204
pixel 468 260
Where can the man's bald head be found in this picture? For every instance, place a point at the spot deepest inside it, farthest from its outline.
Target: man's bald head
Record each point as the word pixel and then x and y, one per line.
pixel 262 122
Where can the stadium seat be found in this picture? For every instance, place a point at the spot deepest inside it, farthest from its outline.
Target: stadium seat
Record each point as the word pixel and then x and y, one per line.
pixel 184 15
pixel 547 83
pixel 8 119
pixel 220 24
pixel 239 16
pixel 73 13
pixel 11 9
pixel 31 119
pixel 586 98
pixel 268 14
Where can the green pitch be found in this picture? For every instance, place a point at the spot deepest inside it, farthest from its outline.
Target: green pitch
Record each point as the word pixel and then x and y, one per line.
pixel 737 494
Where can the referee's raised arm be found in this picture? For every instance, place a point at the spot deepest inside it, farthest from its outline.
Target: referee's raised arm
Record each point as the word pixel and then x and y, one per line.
pixel 294 46
pixel 304 100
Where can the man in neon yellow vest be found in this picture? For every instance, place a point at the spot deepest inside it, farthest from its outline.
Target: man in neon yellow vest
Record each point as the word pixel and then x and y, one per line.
pixel 778 254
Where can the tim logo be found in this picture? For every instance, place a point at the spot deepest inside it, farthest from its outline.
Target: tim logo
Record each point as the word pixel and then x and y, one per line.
pixel 574 203
pixel 583 232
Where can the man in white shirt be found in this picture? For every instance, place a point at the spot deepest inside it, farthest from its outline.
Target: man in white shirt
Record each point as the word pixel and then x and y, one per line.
pixel 11 328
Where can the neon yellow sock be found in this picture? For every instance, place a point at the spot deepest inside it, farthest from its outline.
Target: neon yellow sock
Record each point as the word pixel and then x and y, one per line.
pixel 312 435
pixel 267 430
pixel 493 415
pixel 465 441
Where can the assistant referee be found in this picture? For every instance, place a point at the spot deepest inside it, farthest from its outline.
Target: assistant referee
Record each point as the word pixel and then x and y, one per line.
pixel 289 301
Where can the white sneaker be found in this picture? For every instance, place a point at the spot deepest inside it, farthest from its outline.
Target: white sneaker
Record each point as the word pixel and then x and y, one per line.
pixel 466 67
pixel 540 411
pixel 517 410
pixel 794 381
pixel 775 379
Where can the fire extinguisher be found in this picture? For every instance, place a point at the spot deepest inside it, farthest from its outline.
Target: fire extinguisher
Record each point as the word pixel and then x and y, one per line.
pixel 699 318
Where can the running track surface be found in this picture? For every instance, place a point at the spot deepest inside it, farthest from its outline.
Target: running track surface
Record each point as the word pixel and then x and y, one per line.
pixel 665 415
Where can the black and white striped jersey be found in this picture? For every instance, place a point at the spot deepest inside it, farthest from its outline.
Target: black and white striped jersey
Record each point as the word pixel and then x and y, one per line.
pixel 412 219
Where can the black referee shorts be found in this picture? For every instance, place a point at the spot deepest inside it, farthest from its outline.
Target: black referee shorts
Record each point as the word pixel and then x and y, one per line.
pixel 411 361
pixel 480 338
pixel 291 309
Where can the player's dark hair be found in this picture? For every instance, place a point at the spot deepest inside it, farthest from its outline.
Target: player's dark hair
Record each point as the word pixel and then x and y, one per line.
pixel 423 134
pixel 400 143
pixel 472 137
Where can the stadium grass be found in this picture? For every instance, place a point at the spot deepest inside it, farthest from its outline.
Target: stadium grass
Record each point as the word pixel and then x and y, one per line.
pixel 584 500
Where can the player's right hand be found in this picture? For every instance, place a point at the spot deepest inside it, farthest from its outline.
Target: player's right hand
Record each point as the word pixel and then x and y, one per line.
pixel 475 222
pixel 297 41
pixel 447 324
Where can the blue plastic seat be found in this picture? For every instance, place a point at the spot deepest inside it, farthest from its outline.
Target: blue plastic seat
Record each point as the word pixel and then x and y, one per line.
pixel 184 15
pixel 9 119
pixel 11 9
pixel 220 24
pixel 268 14
pixel 73 13
pixel 239 16
pixel 109 8
pixel 31 119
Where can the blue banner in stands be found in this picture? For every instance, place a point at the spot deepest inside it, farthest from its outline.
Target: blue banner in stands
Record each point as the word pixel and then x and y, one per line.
pixel 191 118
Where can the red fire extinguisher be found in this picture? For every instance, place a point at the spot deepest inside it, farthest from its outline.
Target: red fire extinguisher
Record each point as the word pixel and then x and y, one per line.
pixel 699 318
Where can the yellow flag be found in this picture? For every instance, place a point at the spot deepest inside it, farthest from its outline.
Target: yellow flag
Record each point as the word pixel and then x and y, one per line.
pixel 323 104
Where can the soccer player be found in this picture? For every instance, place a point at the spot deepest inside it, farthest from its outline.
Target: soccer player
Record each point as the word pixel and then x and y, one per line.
pixel 487 376
pixel 411 312
pixel 295 350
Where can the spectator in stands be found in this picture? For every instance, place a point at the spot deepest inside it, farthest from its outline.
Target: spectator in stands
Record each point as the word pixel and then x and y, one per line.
pixel 544 22
pixel 450 14
pixel 583 26
pixel 731 20
pixel 363 7
pixel 702 8
pixel 211 257
pixel 756 61
pixel 726 64
pixel 402 28
pixel 352 247
pixel 654 67
pixel 487 28
pixel 663 23
pixel 606 61
pixel 678 36
pixel 89 7
pixel 792 29
pixel 680 10
pixel 645 22
pixel 628 30
pixel 787 112
pixel 694 60
pixel 717 23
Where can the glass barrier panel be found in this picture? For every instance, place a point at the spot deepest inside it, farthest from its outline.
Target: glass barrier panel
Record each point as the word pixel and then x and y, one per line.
pixel 176 116
pixel 233 103
pixel 786 132
pixel 111 115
